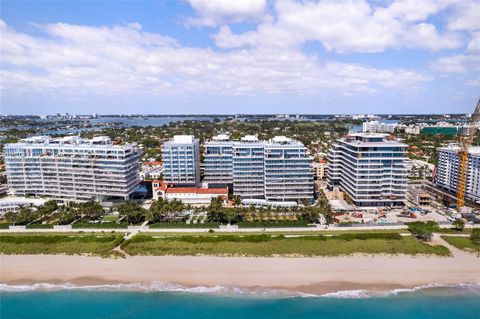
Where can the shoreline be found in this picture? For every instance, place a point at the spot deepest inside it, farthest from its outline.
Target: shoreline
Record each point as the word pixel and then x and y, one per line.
pixel 308 275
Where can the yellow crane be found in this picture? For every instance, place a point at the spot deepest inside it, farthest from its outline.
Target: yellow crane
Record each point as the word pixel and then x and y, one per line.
pixel 466 141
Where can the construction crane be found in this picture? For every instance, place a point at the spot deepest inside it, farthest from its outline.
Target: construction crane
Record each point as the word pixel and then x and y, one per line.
pixel 466 141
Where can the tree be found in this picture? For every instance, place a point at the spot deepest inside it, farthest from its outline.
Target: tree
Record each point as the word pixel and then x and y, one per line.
pixel 133 212
pixel 66 215
pixel 48 207
pixel 475 236
pixel 90 210
pixel 237 201
pixel 458 224
pixel 215 204
pixel 423 231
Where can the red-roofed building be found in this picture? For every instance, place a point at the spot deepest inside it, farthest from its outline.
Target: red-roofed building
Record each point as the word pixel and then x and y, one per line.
pixel 188 195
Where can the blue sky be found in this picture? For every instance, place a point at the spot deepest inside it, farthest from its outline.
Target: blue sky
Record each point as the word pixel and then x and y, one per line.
pixel 249 56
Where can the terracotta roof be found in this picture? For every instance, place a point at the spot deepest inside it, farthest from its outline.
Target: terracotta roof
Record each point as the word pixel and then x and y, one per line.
pixel 222 191
pixel 196 190
pixel 179 190
pixel 163 186
pixel 152 163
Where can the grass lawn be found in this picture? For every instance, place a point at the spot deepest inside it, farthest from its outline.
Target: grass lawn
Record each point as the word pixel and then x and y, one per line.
pixel 71 244
pixel 312 232
pixel 268 245
pixel 453 231
pixel 463 243
pixel 109 218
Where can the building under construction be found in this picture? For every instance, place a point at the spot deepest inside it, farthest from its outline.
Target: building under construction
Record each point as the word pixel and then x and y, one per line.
pixel 448 169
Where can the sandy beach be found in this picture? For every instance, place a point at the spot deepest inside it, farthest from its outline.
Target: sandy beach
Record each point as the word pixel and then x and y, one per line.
pixel 309 275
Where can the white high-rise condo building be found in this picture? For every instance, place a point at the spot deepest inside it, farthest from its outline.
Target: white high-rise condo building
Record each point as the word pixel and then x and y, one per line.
pixel 248 168
pixel 218 161
pixel 447 170
pixel 72 168
pixel 288 171
pixel 369 169
pixel 181 160
pixel 377 127
pixel 276 170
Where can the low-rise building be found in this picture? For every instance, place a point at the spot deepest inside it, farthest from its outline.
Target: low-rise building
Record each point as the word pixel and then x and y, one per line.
pixel 13 203
pixel 419 197
pixel 188 195
pixel 319 169
pixel 151 170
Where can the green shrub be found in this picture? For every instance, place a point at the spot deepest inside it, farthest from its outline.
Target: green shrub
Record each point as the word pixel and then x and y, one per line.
pixel 366 236
pixel 458 224
pixel 52 239
pixel 475 236
pixel 224 238
pixel 423 231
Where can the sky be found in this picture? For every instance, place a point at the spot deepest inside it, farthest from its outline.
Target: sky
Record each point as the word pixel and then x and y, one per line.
pixel 248 56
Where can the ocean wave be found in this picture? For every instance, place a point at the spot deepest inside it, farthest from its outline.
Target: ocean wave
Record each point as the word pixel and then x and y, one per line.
pixel 151 287
pixel 472 288
pixel 348 294
pixel 464 288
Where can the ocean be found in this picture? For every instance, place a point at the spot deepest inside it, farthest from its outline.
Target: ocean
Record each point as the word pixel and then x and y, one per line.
pixel 170 301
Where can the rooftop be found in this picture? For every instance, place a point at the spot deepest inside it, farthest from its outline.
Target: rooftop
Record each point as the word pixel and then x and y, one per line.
pixel 371 140
pixel 183 139
pixel 455 148
pixel 249 139
pixel 221 138
pixel 66 141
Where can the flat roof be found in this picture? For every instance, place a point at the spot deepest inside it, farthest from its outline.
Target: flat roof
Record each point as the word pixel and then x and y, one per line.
pixel 475 150
pixel 68 141
pixel 197 190
pixel 183 139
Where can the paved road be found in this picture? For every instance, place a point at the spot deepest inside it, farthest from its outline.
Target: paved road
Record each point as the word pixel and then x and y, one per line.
pixel 146 229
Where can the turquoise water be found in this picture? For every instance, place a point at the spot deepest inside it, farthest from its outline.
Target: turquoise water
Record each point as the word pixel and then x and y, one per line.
pixel 122 304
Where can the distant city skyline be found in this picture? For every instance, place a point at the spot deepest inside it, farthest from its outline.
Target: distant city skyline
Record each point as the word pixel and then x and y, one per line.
pixel 247 57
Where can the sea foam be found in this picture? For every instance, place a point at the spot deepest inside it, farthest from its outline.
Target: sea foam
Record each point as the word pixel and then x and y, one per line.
pixel 464 288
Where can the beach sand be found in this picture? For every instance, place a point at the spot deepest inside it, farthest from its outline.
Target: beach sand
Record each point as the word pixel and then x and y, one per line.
pixel 308 275
pixel 314 275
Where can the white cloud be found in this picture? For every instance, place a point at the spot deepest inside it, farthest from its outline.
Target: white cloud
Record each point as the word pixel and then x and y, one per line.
pixel 474 44
pixel 117 60
pixel 451 64
pixel 425 36
pixel 348 26
pixel 466 16
pixel 217 12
